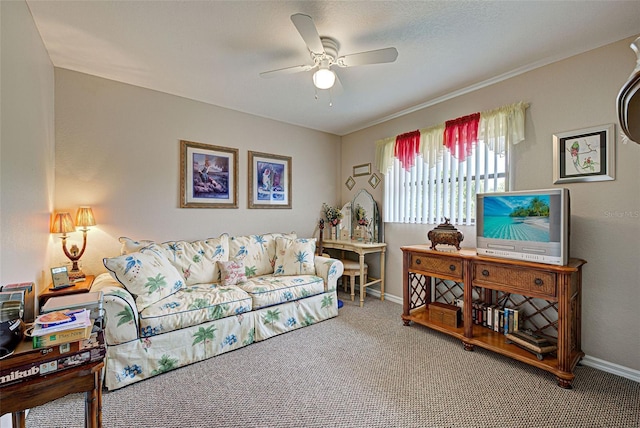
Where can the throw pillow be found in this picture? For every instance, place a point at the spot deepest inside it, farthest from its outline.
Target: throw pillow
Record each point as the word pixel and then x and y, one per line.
pixel 232 272
pixel 148 276
pixel 295 256
pixel 196 260
pixel 257 251
pixel 131 246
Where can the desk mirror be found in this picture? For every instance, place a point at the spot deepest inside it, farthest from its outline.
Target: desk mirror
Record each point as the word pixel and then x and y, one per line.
pixel 364 212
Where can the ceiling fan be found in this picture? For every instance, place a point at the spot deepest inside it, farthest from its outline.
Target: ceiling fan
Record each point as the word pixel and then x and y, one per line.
pixel 324 54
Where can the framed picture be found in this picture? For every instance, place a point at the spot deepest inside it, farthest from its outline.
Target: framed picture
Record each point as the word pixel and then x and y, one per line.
pixel 584 155
pixel 350 183
pixel 364 169
pixel 374 180
pixel 269 180
pixel 208 176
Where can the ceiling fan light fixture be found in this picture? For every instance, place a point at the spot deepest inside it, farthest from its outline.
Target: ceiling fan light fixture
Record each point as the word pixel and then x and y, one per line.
pixel 324 78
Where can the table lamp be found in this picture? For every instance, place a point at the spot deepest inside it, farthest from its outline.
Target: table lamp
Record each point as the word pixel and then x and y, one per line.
pixel 64 224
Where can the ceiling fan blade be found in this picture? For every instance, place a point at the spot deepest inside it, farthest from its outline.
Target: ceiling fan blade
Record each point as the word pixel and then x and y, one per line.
pixel 371 57
pixel 307 29
pixel 283 71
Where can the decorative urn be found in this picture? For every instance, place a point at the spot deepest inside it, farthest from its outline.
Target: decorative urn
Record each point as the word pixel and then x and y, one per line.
pixel 445 233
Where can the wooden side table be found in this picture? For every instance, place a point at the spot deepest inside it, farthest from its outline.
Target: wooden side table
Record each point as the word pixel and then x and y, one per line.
pixel 78 287
pixel 38 390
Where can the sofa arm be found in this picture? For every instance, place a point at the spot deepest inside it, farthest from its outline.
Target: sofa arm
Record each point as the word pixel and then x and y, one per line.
pixel 329 270
pixel 121 322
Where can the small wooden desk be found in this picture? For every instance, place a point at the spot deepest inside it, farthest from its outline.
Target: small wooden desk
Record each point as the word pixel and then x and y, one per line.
pixel 78 287
pixel 37 391
pixel 362 248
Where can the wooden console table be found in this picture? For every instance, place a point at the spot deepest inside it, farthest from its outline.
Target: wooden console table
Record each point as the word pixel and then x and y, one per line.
pixel 558 286
pixel 362 249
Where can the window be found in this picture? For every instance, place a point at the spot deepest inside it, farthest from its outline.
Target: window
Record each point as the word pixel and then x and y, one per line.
pixel 433 181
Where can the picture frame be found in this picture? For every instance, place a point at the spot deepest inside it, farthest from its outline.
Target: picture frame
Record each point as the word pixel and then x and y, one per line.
pixel 350 183
pixel 269 180
pixel 360 170
pixel 584 155
pixel 208 176
pixel 374 180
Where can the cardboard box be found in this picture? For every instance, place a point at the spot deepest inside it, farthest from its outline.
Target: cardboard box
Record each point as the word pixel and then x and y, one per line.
pixel 442 313
pixel 27 362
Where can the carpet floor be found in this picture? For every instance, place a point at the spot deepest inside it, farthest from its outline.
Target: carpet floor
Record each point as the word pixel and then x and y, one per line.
pixel 361 369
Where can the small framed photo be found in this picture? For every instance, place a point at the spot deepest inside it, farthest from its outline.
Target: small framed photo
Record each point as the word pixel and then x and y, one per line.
pixel 350 183
pixel 374 180
pixel 364 169
pixel 208 176
pixel 584 155
pixel 269 180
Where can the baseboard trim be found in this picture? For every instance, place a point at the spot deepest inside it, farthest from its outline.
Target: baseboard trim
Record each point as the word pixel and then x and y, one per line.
pixel 587 360
pixel 612 368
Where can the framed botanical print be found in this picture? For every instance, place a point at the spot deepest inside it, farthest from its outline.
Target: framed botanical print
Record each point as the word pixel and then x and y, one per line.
pixel 269 180
pixel 584 155
pixel 208 176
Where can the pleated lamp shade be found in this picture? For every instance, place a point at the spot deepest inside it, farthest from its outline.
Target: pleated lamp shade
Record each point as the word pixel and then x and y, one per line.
pixel 63 223
pixel 84 217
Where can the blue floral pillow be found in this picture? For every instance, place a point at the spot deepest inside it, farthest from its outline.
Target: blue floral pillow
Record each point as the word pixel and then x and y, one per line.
pixel 295 256
pixel 148 276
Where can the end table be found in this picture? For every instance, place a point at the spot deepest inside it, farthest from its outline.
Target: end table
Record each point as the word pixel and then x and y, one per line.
pixel 79 287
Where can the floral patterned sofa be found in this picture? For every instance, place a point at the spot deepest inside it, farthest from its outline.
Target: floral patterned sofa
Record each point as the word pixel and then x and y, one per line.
pixel 175 303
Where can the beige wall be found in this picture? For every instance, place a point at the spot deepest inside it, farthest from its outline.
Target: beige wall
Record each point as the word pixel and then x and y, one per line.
pixel 27 147
pixel 117 150
pixel 575 93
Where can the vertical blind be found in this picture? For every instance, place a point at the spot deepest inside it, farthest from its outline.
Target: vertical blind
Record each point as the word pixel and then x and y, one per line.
pixel 427 180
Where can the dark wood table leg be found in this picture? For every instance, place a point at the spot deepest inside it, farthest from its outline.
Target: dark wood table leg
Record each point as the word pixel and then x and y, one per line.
pixel 18 419
pixel 93 404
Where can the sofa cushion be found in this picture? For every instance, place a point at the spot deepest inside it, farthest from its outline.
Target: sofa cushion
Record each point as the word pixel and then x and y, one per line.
pixel 192 306
pixel 148 276
pixel 232 272
pixel 196 260
pixel 257 251
pixel 270 290
pixel 295 256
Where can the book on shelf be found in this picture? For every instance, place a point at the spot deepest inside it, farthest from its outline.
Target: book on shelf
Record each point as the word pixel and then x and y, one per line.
pixel 485 310
pixel 498 322
pixel 523 341
pixel 510 320
pixel 27 362
pixel 490 317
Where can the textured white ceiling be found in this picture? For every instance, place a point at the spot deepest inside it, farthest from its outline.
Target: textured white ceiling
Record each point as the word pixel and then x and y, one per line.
pixel 213 51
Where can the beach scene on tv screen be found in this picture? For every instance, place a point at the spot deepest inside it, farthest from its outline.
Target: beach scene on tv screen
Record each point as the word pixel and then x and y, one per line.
pixel 518 218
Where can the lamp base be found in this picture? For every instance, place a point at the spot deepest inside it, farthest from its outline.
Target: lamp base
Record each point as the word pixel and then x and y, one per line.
pixel 76 275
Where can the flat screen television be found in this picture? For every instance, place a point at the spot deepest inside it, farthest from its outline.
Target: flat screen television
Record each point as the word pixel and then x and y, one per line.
pixel 532 225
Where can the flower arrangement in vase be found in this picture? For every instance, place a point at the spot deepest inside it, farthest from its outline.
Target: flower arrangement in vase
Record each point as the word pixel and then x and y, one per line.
pixel 333 215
